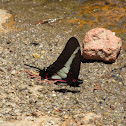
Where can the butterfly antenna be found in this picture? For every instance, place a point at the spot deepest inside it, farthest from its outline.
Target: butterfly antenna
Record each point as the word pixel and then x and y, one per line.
pixel 32 66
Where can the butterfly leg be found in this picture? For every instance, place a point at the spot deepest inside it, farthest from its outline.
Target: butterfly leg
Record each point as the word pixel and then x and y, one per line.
pixel 34 75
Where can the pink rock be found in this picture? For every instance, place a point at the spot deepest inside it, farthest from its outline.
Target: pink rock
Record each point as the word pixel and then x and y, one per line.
pixel 101 44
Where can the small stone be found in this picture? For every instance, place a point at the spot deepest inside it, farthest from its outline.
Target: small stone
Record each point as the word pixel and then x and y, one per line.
pixel 34 114
pixel 113 81
pixel 13 72
pixel 1 50
pixel 124 105
pixel 53 95
pixel 120 83
pixel 9 68
pixel 66 116
pixel 112 107
pixel 115 63
pixel 36 55
pixel 42 51
pixel 11 50
pixel 8 42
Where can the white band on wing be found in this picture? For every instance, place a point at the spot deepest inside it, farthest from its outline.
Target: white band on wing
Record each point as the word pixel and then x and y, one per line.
pixel 62 73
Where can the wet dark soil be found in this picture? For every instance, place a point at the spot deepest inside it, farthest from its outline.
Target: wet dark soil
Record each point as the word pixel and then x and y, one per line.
pixel 103 90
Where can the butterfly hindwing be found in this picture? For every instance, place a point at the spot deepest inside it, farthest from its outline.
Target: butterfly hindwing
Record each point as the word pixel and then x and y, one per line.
pixel 72 75
pixel 75 66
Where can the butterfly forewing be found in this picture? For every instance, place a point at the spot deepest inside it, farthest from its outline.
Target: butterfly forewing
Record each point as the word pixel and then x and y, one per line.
pixel 68 61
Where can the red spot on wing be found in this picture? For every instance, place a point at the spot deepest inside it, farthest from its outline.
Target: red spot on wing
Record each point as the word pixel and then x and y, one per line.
pixel 73 80
pixel 46 76
pixel 69 76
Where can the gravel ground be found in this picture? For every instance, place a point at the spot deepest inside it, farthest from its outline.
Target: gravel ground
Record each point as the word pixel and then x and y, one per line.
pixel 103 91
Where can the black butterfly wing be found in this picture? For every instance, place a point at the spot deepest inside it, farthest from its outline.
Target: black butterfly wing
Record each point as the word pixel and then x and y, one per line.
pixel 67 65
pixel 75 66
pixel 70 47
pixel 72 76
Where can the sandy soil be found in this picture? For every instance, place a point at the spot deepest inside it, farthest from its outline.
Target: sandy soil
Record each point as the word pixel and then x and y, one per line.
pixel 103 91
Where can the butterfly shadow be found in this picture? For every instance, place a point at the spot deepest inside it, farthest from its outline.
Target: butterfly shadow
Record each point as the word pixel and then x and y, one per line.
pixel 62 90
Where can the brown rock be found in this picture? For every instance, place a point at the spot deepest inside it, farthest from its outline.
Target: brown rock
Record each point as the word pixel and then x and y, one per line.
pixel 6 21
pixel 101 44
